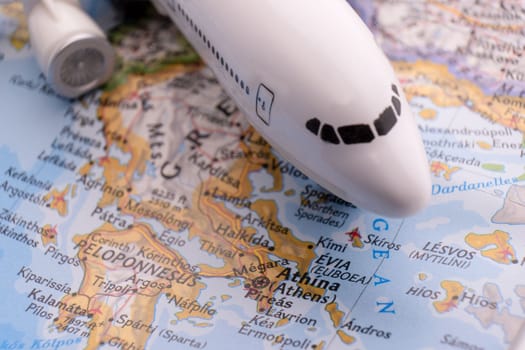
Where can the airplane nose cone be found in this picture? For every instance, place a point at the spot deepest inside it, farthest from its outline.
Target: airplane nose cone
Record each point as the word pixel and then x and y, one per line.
pixel 387 184
pixel 401 191
pixel 386 172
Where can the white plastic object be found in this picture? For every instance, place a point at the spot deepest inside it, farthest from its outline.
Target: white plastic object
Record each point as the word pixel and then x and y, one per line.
pixel 70 48
pixel 311 79
pixel 518 343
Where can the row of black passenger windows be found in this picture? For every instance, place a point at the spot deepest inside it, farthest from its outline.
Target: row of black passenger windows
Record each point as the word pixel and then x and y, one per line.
pixel 214 52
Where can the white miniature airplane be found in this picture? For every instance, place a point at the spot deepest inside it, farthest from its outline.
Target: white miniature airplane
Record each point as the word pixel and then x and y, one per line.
pixel 307 74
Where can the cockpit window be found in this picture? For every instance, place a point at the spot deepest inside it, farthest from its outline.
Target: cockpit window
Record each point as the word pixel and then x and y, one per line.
pixel 395 100
pixel 394 88
pixel 359 133
pixel 385 122
pixel 397 105
pixel 313 125
pixel 328 134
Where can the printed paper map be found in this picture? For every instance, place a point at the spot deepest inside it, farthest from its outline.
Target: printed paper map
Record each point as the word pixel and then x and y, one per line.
pixel 149 214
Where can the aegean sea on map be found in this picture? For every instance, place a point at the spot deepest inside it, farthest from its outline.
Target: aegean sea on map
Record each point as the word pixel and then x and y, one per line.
pixel 150 215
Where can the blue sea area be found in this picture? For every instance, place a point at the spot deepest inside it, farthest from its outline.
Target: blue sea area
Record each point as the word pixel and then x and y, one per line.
pixel 15 326
pixel 22 324
pixel 415 310
pixel 34 117
pixel 31 113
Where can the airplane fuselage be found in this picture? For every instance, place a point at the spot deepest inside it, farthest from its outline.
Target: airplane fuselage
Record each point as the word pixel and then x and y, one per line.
pixel 311 79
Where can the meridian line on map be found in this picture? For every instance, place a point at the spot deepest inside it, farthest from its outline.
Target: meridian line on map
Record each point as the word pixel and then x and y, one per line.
pixel 453 119
pixel 377 269
pixel 350 310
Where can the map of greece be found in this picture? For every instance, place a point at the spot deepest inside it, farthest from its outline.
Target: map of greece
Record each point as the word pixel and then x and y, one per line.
pixel 150 215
